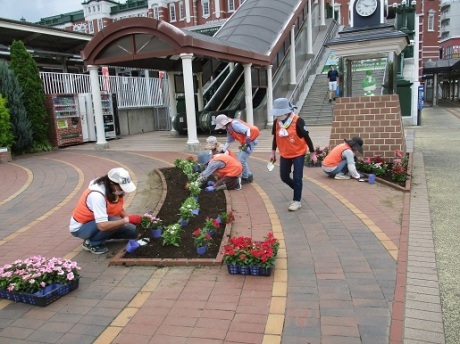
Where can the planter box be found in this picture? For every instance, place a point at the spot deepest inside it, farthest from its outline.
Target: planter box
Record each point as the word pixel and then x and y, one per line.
pixel 41 300
pixel 253 270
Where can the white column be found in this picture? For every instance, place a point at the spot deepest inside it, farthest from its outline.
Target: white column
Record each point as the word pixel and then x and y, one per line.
pixel 435 89
pixel 97 104
pixel 217 4
pixel 193 143
pixel 269 95
pixel 292 62
pixel 172 98
pixel 148 89
pixel 333 9
pixel 248 93
pixel 187 11
pixel 199 77
pixel 309 30
pixel 321 13
pixel 415 77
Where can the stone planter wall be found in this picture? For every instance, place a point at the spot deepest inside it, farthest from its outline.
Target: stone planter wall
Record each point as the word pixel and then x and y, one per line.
pixel 377 120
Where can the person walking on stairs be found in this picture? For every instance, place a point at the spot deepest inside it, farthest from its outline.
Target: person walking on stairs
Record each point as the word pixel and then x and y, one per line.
pixel 332 79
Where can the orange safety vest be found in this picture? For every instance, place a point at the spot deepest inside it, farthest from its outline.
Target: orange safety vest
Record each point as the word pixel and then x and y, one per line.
pixel 233 167
pixel 290 146
pixel 83 214
pixel 241 138
pixel 335 155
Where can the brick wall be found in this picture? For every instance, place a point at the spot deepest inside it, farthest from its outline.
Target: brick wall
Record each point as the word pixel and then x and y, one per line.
pixel 376 119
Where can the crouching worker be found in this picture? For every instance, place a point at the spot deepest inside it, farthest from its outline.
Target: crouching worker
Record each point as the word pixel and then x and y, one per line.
pixel 340 162
pixel 100 215
pixel 227 169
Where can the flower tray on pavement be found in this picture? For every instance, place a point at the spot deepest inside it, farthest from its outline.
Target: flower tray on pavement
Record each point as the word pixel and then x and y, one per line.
pixel 41 298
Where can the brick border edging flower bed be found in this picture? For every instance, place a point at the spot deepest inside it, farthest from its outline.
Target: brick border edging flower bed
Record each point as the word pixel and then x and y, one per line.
pixel 408 180
pixel 118 259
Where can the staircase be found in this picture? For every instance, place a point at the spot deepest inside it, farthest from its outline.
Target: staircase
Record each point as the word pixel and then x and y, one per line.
pixel 316 109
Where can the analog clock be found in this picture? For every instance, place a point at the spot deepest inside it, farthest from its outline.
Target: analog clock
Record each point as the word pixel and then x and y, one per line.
pixel 366 8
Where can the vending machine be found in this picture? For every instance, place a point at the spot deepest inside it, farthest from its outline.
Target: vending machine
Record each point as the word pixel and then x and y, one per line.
pixel 88 120
pixel 64 119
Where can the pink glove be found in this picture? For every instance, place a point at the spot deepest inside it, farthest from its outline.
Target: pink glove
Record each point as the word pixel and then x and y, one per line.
pixel 134 219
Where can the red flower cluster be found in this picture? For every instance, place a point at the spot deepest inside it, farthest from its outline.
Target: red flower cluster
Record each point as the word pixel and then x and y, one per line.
pixel 227 217
pixel 246 252
pixel 202 237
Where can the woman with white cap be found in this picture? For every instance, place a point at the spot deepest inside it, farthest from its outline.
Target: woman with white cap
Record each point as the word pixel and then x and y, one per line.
pixel 100 214
pixel 246 135
pixel 216 147
pixel 291 137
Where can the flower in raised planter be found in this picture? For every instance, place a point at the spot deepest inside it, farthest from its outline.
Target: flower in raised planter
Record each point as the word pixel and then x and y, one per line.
pixel 236 251
pixel 201 237
pixel 189 208
pixel 399 168
pixel 261 254
pixel 194 188
pixel 172 235
pixel 211 225
pixel 375 165
pixel 226 217
pixel 36 272
pixel 151 222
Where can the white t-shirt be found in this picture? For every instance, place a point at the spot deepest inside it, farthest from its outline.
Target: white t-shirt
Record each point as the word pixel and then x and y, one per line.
pixel 96 203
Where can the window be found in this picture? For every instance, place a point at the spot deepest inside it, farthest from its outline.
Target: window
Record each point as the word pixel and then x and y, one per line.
pixel 172 13
pixel 156 13
pixel 100 24
pixel 181 11
pixel 431 20
pixel 231 5
pixel 98 8
pixel 206 10
pixel 91 28
pixel 89 9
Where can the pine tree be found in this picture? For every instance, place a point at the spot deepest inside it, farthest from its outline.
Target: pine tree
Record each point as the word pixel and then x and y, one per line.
pixel 26 71
pixel 6 137
pixel 20 123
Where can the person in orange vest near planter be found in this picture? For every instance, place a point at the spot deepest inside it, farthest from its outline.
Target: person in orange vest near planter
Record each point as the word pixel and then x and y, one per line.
pixel 246 135
pixel 227 169
pixel 291 137
pixel 216 147
pixel 100 214
pixel 340 162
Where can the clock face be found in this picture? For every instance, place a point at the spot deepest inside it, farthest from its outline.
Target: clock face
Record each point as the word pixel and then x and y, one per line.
pixel 366 7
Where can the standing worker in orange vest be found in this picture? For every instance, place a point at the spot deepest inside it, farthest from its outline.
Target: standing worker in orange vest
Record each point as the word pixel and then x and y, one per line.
pixel 246 135
pixel 291 137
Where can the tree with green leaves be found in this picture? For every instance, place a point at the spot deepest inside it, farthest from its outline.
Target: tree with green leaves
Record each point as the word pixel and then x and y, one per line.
pixel 26 71
pixel 20 123
pixel 6 137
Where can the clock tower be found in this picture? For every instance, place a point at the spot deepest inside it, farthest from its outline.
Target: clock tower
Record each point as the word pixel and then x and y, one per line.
pixel 367 13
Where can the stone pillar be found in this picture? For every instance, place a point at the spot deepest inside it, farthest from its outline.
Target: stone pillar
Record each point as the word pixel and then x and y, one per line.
pixel 172 98
pixel 248 93
pixel 97 104
pixel 192 143
pixel 292 66
pixel 309 31
pixel 269 96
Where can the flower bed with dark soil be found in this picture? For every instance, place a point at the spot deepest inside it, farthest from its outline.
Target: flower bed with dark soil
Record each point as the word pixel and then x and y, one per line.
pixel 154 253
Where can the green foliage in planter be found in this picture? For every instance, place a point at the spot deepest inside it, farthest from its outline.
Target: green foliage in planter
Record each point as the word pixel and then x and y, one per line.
pixel 26 71
pixel 6 137
pixel 20 123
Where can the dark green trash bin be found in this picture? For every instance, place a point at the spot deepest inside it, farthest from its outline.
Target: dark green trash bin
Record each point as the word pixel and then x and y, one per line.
pixel 405 94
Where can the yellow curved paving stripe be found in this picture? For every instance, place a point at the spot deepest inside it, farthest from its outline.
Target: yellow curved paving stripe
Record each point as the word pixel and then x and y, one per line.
pixel 50 212
pixel 276 315
pixel 375 229
pixel 379 234
pixel 30 177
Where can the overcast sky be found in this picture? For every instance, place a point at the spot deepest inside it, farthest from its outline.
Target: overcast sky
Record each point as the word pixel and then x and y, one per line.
pixel 34 10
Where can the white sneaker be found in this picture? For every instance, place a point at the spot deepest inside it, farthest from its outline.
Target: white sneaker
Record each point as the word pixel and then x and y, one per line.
pixel 295 205
pixel 341 176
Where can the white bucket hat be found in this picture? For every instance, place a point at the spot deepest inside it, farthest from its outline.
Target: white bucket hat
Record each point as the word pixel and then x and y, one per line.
pixel 120 176
pixel 282 106
pixel 222 121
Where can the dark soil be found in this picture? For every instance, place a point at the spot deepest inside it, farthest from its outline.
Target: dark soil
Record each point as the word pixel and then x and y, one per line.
pixel 211 205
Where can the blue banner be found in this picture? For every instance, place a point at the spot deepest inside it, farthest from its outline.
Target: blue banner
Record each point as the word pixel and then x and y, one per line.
pixel 421 95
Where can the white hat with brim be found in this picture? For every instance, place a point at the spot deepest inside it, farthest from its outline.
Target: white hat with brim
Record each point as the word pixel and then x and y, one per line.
pixel 282 106
pixel 222 121
pixel 211 142
pixel 120 176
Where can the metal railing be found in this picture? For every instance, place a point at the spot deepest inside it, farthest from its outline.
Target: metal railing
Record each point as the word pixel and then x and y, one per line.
pixel 132 92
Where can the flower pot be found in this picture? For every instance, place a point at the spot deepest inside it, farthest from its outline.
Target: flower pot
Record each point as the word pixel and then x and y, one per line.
pixel 254 270
pixel 201 250
pixel 132 246
pixel 244 270
pixel 47 289
pixel 233 269
pixel 156 232
pixel 218 219
pixel 265 271
pixel 195 212
pixel 184 222
pixel 211 232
